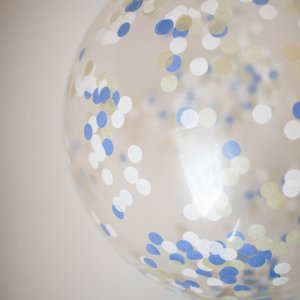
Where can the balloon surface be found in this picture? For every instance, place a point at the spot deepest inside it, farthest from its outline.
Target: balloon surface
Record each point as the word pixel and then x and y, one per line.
pixel 182 129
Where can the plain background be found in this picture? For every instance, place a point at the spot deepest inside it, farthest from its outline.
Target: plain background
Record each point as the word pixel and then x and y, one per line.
pixel 49 248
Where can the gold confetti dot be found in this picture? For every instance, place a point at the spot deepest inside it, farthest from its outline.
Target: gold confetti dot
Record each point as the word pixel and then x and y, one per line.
pixel 165 60
pixel 277 201
pixel 297 67
pixel 226 2
pixel 268 189
pixel 240 164
pixel 163 274
pixel 222 66
pixel 73 90
pixel 216 27
pixel 115 16
pixel 169 83
pixel 177 277
pixel 290 9
pixel 101 76
pixel 252 53
pixel 242 294
pixel 293 238
pixel 184 23
pixel 196 26
pixel 107 132
pixel 234 242
pixel 112 84
pixel 237 264
pixel 225 211
pixel 89 68
pixel 280 248
pixel 159 3
pixel 224 14
pixel 229 45
pixel 229 178
pixel 206 263
pixel 256 231
pixel 207 117
pixel 292 52
pixel 109 107
pixel 176 265
pixel 264 244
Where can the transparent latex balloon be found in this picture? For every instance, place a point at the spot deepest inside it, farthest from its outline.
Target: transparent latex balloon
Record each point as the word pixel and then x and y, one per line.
pixel 183 138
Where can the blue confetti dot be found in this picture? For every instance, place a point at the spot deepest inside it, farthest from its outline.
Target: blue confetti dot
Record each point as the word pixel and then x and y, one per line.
pixel 228 279
pixel 152 249
pixel 96 96
pixel 246 105
pixel 151 100
pixel 204 273
pixel 176 33
pixel 274 275
pixel 260 2
pixel 265 254
pixel 183 284
pixel 222 243
pixel 235 233
pixel 192 283
pixel 194 255
pixel 248 272
pixel 179 75
pixel 249 195
pixel 256 261
pixel 273 74
pixel 134 6
pixel 184 246
pixel 229 120
pixel 105 229
pixel 296 110
pixel 118 214
pixel 247 250
pixel 250 69
pixel 123 30
pixel 101 119
pixel 177 257
pixel 108 147
pixel 155 238
pixel 87 95
pixel 116 97
pixel 81 54
pixel 163 114
pixel 216 260
pixel 104 95
pixel 164 27
pixel 88 131
pixel 228 271
pixel 210 17
pixel 252 89
pixel 176 65
pixel 179 114
pixel 150 263
pixel 240 287
pixel 221 34
pixel 231 149
pixel 123 157
pixel 257 78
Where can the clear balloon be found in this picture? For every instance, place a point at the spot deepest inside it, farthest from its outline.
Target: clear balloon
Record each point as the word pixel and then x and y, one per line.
pixel 182 132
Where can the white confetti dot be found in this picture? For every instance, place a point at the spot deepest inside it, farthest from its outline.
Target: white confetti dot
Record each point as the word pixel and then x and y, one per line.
pixel 221 201
pixel 194 14
pixel 191 237
pixel 93 160
pixel 181 8
pixel 169 247
pixel 280 281
pixel 173 15
pixel 93 123
pixel 107 177
pixel 262 114
pixel 211 215
pixel 228 254
pixel 119 204
pixel 126 197
pixel 202 246
pixel 134 154
pixel 210 6
pixel 95 217
pixel 199 66
pixel 107 37
pixel 210 42
pixel 214 281
pixel 240 164
pixel 100 154
pixel 189 273
pixel 191 212
pixel 117 119
pixel 102 84
pixel 96 142
pixel 229 178
pixel 115 25
pixel 207 117
pixel 178 45
pixel 282 268
pixel 268 12
pixel 215 247
pixel 129 18
pixel 131 175
pixel 189 118
pixel 290 192
pixel 125 104
pixel 292 130
pixel 202 267
pixel 111 230
pixel 292 178
pixel 143 187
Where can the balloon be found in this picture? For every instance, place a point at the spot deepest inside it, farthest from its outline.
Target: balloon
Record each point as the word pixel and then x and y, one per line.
pixel 182 131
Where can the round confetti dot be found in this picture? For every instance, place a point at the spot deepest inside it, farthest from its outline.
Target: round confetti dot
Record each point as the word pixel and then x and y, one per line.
pixel 262 114
pixel 125 104
pixel 107 176
pixel 176 33
pixel 231 149
pixel 129 18
pixel 150 263
pixel 178 257
pixel 264 244
pixel 228 254
pixel 178 266
pixel 101 119
pixel 194 255
pixel 104 95
pixel 207 117
pixel 293 238
pixel 131 175
pixel 252 53
pixel 165 60
pixel 191 212
pixel 277 201
pixel 93 160
pixel 296 110
pixel 164 27
pixel 256 231
pixel 292 52
pixel 229 45
pixel 282 268
pixel 268 189
pixel 224 14
pixel 100 154
pixel 196 26
pixel 105 229
pixel 216 260
pixel 217 28
pixel 191 237
pixel 292 178
pixel 189 273
pixel 126 197
pixel 116 97
pixel 155 238
pixel 237 264
pixel 204 273
pixel 176 64
pixel 111 230
pixel 215 247
pixel 235 234
pixel 210 6
pixel 96 142
pixel 199 66
pixel 117 119
pixel 280 281
pixel 184 246
pixel 214 282
pixel 268 12
pixel 118 213
pixel 292 130
pixel 124 29
pixel 108 147
pixel 247 250
pixel 89 68
pixel 280 248
pixel 93 123
pixel 266 254
pixel 169 247
pixel 143 187
pixel 189 118
pixel 119 204
pixel 240 164
pixel 178 45
pixel 133 5
pixel 88 131
pixel 234 242
pixel 228 272
pixel 169 83
pixel 134 154
pixel 210 42
pixel 256 261
pixel 260 2
pixel 222 66
pixel 152 249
